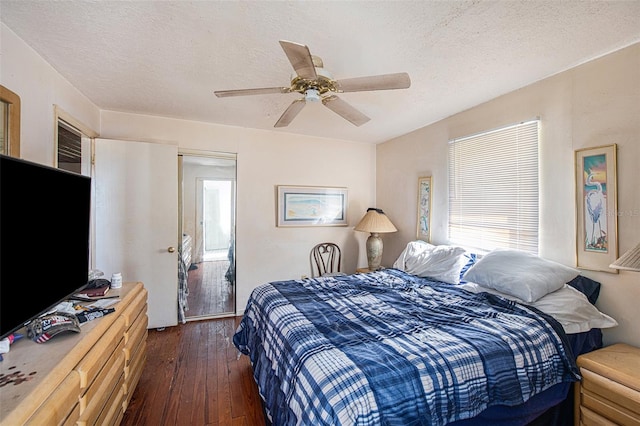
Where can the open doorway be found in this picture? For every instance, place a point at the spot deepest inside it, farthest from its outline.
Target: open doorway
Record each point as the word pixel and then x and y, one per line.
pixel 208 202
pixel 215 212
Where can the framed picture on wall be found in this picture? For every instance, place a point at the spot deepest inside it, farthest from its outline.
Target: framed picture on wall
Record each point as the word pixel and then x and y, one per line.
pixel 312 206
pixel 424 208
pixel 596 208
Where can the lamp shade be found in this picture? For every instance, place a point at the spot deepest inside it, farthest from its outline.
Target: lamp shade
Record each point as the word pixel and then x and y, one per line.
pixel 630 261
pixel 375 221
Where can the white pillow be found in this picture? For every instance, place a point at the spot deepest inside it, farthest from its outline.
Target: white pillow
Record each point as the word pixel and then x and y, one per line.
pixel 573 310
pixel 520 274
pixel 442 263
pixel 568 306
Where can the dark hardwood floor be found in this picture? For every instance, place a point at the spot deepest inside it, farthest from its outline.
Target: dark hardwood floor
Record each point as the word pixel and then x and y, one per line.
pixel 209 291
pixel 194 375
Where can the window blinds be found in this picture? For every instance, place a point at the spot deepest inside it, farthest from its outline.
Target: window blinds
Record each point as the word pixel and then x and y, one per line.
pixel 493 189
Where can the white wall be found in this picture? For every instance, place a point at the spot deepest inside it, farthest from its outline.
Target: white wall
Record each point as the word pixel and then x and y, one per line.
pixel 40 87
pixel 595 104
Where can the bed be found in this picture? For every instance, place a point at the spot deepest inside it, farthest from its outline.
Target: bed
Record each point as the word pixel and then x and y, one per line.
pixel 186 250
pixel 394 348
pixel 184 265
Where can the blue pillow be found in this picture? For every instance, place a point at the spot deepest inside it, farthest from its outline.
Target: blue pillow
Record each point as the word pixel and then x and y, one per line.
pixel 587 286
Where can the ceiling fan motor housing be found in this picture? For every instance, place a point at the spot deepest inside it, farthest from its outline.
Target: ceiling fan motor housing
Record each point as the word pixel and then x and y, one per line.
pixel 322 84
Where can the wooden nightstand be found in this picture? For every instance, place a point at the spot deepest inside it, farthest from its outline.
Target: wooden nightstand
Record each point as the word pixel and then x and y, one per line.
pixel 609 393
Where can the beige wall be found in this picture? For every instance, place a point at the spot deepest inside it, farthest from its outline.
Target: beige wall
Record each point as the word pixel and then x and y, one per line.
pixel 597 103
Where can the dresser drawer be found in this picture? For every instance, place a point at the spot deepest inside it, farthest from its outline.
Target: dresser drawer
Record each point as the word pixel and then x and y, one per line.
pixel 114 363
pixel 103 394
pixel 114 407
pixel 590 418
pixel 137 305
pixel 136 333
pixel 609 410
pixel 60 403
pixel 72 420
pixel 134 377
pixel 137 364
pixel 91 364
pixel 619 397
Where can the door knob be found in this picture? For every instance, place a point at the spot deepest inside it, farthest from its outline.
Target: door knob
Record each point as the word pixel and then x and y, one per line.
pixel 171 249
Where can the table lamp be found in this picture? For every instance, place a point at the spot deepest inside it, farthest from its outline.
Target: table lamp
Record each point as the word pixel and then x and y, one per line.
pixel 375 222
pixel 630 261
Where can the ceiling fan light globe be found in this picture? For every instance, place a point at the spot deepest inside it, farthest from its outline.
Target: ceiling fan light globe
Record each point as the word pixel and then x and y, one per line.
pixel 312 95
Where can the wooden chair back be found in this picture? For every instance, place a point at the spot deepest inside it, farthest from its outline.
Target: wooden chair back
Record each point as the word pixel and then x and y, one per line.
pixel 325 258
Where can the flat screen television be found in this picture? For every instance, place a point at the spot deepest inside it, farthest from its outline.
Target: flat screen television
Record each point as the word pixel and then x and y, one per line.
pixel 44 239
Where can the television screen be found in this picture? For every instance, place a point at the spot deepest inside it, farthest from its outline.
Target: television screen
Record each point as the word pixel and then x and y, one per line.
pixel 44 239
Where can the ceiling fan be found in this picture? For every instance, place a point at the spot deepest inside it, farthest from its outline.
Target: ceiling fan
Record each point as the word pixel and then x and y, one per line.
pixel 316 84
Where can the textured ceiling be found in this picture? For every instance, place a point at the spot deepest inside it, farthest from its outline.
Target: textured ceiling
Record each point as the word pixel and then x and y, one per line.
pixel 167 57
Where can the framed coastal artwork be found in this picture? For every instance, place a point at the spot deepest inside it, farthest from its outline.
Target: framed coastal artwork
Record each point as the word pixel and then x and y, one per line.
pixel 424 208
pixel 312 206
pixel 596 208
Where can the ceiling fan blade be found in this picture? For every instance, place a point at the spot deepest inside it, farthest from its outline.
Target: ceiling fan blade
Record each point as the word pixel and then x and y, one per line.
pixel 290 113
pixel 345 110
pixel 375 82
pixel 300 59
pixel 245 92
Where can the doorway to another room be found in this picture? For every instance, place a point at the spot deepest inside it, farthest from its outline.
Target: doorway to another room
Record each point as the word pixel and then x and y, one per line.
pixel 208 203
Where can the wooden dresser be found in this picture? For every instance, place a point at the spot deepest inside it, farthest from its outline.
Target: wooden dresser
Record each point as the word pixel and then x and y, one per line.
pixel 81 378
pixel 609 393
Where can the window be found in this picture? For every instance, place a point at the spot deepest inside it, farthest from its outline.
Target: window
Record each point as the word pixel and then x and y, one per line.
pixel 72 147
pixel 69 147
pixel 9 122
pixel 493 189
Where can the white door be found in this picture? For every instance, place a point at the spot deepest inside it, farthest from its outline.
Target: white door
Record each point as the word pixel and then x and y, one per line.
pixel 136 186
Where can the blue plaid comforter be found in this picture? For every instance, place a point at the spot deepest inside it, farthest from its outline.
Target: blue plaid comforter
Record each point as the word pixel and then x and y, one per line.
pixel 389 348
